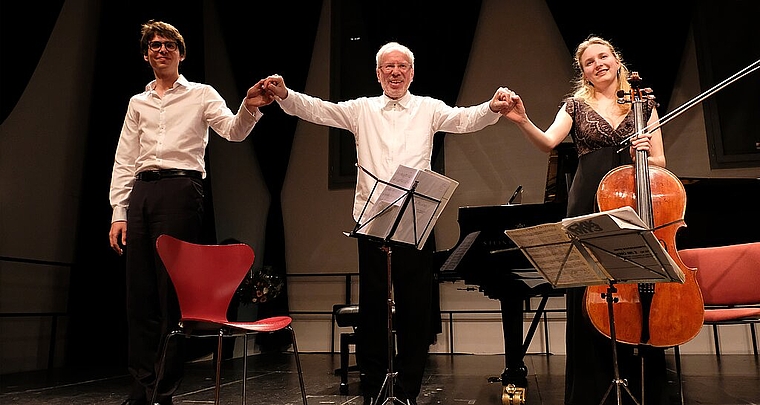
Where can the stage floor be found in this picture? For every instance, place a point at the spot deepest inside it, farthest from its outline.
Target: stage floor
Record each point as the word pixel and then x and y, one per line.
pixel 451 380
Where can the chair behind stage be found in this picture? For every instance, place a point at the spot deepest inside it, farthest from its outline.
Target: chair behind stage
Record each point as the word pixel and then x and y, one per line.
pixel 729 278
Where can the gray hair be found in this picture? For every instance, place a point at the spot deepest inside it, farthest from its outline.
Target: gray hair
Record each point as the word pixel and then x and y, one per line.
pixel 394 46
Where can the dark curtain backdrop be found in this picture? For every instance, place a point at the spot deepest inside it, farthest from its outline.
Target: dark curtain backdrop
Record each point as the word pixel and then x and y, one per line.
pixel 260 46
pixel 25 44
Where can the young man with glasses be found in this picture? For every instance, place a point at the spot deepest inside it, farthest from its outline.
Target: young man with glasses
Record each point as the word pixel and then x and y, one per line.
pixel 395 128
pixel 157 187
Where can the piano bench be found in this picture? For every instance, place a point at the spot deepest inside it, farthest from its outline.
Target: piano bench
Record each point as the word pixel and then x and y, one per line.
pixel 345 316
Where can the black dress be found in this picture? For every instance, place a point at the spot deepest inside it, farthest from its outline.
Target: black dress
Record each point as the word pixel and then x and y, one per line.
pixel 589 369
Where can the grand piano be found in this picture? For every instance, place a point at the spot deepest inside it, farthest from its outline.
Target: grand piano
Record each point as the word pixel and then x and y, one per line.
pixel 485 257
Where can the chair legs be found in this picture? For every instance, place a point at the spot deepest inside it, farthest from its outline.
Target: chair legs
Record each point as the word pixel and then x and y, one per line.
pixel 752 332
pixel 217 381
pixel 295 353
pixel 245 363
pixel 717 340
pixel 754 337
pixel 298 364
pixel 160 372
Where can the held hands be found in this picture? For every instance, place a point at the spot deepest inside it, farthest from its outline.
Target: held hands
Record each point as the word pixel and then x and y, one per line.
pixel 504 101
pixel 264 92
pixel 274 85
pixel 517 112
pixel 257 96
pixel 501 101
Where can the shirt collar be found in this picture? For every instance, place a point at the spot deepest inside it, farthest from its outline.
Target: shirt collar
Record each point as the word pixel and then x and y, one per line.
pixel 402 102
pixel 181 80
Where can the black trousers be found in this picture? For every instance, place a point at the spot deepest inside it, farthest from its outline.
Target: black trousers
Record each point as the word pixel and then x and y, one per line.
pixel 172 206
pixel 412 284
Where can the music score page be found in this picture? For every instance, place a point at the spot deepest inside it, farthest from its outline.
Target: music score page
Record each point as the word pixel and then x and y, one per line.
pixel 595 249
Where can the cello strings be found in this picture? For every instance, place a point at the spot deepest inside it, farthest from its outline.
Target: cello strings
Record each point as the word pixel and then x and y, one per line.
pixel 676 112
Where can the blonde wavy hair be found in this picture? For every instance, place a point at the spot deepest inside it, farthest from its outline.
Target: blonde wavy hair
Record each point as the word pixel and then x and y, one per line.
pixel 583 88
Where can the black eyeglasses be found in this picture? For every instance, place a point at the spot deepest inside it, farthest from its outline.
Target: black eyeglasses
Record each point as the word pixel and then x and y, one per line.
pixel 155 46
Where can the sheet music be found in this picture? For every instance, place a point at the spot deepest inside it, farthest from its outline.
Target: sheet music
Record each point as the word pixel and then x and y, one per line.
pixel 531 277
pixel 549 249
pixel 613 245
pixel 619 238
pixel 403 179
pixel 432 191
pixel 456 256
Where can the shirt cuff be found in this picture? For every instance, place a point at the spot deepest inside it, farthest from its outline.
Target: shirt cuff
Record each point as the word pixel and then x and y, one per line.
pixel 287 101
pixel 119 214
pixel 256 114
pixel 488 108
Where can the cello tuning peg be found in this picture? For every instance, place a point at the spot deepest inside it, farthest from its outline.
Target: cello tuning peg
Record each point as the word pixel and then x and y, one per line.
pixel 621 94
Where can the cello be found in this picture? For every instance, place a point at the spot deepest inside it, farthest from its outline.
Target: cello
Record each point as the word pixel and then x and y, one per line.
pixel 657 314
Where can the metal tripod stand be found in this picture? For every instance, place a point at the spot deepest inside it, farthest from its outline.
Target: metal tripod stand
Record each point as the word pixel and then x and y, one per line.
pixel 617 382
pixel 388 386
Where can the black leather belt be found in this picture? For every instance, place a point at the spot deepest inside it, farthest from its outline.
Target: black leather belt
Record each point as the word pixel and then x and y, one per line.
pixel 152 175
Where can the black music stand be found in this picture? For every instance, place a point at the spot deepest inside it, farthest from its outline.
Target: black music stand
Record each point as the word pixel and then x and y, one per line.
pixel 609 247
pixel 401 211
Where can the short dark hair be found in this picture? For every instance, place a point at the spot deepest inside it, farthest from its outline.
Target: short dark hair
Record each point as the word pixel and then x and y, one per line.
pixel 166 30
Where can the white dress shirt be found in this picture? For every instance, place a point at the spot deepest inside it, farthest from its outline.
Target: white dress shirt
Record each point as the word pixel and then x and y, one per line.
pixel 171 132
pixel 388 132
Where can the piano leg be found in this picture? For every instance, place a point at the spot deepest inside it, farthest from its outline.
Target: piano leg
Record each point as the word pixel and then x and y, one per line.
pixel 514 379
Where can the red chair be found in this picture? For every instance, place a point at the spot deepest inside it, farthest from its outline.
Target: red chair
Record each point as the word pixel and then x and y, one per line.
pixel 729 277
pixel 206 278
